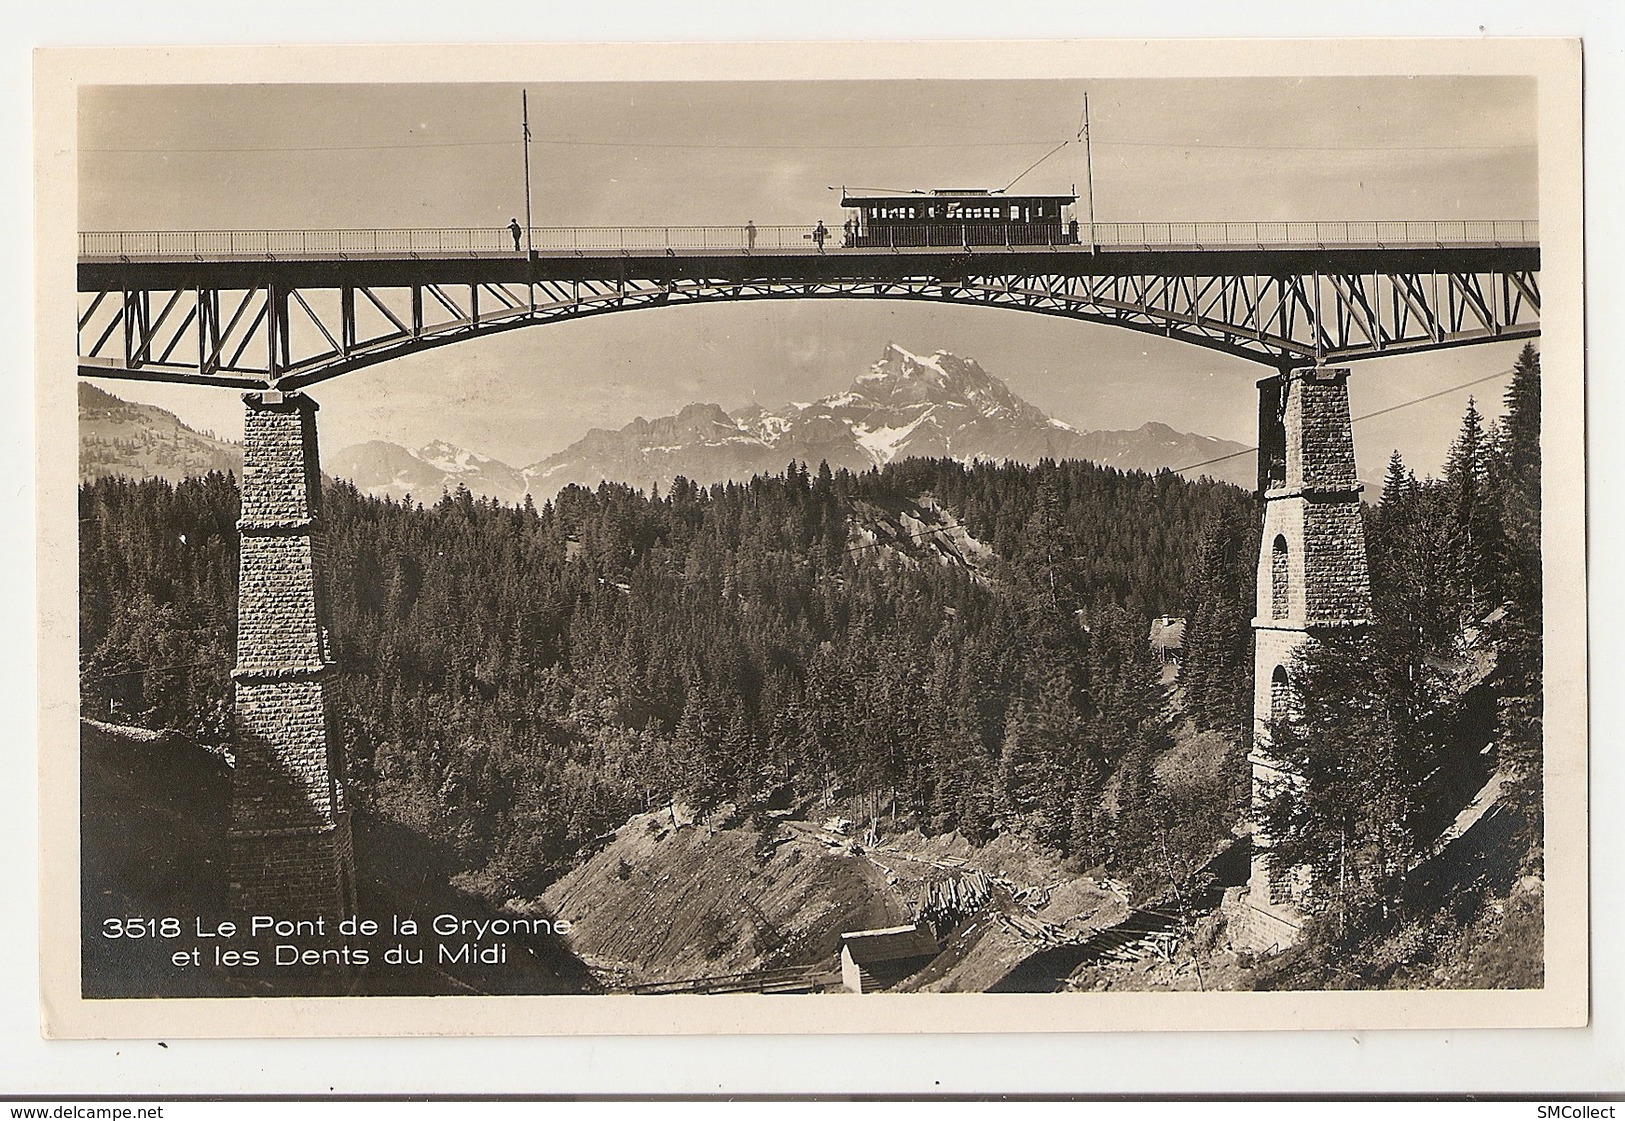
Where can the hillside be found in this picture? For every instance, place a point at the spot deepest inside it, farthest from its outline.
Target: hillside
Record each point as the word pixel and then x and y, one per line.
pixel 118 437
pixel 731 891
pixel 156 808
pixel 718 895
pixel 943 654
pixel 516 682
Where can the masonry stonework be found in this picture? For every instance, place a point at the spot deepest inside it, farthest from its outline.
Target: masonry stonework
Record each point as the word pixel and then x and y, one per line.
pixel 1311 514
pixel 290 840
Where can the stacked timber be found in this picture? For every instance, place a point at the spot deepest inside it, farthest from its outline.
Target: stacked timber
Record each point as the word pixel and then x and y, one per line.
pixel 947 902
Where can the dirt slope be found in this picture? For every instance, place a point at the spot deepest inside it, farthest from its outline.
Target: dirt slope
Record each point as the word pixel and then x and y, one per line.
pixel 718 896
pixel 733 893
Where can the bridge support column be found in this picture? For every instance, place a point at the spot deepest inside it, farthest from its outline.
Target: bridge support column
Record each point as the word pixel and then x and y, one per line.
pixel 1312 578
pixel 291 854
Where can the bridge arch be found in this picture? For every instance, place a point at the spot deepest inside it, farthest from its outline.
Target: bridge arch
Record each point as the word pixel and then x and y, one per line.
pixel 150 311
pixel 1195 330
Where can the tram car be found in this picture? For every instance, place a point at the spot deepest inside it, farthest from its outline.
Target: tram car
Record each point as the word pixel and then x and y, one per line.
pixel 958 217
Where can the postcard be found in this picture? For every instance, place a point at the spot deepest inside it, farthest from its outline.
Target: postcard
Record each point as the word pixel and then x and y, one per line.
pixel 822 537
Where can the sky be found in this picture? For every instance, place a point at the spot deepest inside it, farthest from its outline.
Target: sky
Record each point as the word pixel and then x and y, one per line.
pixel 719 153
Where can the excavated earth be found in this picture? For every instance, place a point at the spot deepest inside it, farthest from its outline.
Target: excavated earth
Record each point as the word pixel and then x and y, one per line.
pixel 673 897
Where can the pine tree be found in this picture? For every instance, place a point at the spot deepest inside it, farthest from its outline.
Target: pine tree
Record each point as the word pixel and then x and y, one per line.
pixel 1518 636
pixel 1345 816
pixel 1520 434
pixel 1040 749
pixel 1397 484
pixel 1216 665
pixel 1475 521
pixel 1087 839
pixel 515 681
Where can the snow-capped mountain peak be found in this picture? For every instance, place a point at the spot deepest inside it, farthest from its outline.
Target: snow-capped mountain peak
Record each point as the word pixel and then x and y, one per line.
pixel 389 470
pixel 452 459
pixel 905 404
pixel 902 379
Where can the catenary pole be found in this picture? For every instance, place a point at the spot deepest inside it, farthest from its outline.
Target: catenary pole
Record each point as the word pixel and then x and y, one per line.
pixel 524 113
pixel 1089 168
pixel 524 118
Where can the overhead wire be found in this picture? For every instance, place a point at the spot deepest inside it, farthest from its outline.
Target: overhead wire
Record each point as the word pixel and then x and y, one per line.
pixel 580 142
pixel 1222 458
pixel 1365 416
pixel 140 670
pixel 1034 164
pixel 1189 145
pixel 570 142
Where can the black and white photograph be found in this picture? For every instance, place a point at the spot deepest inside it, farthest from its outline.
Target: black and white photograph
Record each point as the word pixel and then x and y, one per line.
pixel 801 547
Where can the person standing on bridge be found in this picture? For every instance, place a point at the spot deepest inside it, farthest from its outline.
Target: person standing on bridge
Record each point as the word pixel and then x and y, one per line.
pixel 750 235
pixel 819 235
pixel 515 229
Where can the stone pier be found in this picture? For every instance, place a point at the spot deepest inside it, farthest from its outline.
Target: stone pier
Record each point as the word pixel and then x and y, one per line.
pixel 291 854
pixel 1312 578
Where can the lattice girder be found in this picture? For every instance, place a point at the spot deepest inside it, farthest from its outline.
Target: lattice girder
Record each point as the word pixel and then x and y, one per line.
pixel 296 326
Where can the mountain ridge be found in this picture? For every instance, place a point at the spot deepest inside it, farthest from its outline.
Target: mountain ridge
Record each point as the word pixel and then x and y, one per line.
pixel 904 405
pixel 936 406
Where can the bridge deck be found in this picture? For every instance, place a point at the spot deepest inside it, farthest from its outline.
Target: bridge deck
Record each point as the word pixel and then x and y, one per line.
pixel 100 273
pixel 215 257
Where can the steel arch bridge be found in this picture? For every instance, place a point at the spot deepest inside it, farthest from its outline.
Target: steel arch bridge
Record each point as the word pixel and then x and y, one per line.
pixel 286 309
pixel 275 311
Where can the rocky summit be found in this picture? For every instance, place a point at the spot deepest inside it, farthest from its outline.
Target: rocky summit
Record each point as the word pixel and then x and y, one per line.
pixel 940 406
pixel 388 470
pixel 904 405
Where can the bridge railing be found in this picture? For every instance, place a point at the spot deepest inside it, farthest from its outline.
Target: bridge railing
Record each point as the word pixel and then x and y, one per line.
pixel 569 240
pixel 1292 234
